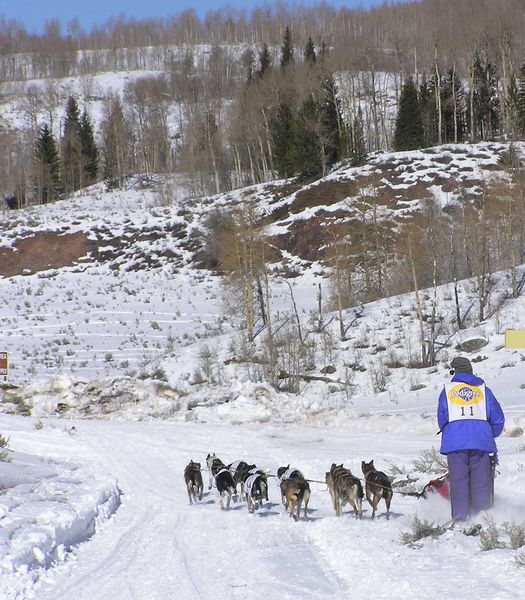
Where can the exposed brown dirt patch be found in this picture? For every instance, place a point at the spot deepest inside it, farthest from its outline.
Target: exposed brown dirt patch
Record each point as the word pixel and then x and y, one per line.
pixel 42 251
pixel 324 193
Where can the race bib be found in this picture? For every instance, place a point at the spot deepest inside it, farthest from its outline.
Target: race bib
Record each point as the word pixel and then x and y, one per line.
pixel 466 401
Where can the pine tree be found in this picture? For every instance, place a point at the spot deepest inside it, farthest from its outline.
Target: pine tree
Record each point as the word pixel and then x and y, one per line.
pixel 117 144
pixel 512 104
pixel 309 52
pixel 71 148
pixel 358 148
pixel 453 107
pixel 485 101
pixel 409 133
pixel 427 105
pixel 47 166
pixel 287 49
pixel 308 151
pixel 323 52
pixel 89 150
pixel 331 120
pixel 284 141
pixel 265 62
pixel 520 103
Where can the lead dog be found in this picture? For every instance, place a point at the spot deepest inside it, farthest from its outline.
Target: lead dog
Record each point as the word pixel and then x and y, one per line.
pixel 223 479
pixel 295 491
pixel 343 488
pixel 377 486
pixel 193 479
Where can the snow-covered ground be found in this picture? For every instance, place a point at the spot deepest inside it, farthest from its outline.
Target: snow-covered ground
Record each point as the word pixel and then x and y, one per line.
pixel 157 546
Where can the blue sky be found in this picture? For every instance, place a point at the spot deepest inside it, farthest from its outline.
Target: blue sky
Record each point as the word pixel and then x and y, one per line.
pixel 34 13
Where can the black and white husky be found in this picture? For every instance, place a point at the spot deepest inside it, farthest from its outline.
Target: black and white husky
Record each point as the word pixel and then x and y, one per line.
pixel 255 488
pixel 223 480
pixel 193 480
pixel 238 470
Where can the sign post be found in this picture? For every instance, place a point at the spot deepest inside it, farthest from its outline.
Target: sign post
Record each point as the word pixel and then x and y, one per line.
pixel 4 365
pixel 515 338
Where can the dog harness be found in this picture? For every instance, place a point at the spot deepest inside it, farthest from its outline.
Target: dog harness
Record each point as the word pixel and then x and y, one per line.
pixel 465 401
pixel 233 466
pixel 289 473
pixel 250 482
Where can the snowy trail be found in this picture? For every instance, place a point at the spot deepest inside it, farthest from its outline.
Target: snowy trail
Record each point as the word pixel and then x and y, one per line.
pixel 158 547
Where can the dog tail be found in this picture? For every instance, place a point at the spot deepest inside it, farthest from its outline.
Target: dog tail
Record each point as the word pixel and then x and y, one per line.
pixel 303 497
pixel 360 492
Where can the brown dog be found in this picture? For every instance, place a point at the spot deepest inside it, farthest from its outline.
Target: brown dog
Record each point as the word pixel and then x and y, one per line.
pixel 377 486
pixel 343 488
pixel 193 479
pixel 295 492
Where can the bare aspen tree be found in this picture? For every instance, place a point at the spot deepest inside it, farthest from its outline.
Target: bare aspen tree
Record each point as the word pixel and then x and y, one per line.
pixel 341 273
pixel 419 307
pixel 243 257
pixel 455 103
pixel 437 90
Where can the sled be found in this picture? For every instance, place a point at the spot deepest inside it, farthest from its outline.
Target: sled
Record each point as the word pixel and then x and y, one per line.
pixel 441 485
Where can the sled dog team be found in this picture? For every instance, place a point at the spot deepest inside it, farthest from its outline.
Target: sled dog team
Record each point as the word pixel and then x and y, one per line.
pixel 247 482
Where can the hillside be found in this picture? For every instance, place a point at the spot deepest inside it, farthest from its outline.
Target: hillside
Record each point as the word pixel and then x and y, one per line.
pixel 113 285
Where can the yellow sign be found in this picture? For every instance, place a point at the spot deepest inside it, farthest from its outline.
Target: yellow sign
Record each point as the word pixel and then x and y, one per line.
pixel 515 338
pixel 4 365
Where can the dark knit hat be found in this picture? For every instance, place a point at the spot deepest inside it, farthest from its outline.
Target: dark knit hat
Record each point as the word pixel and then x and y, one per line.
pixel 461 365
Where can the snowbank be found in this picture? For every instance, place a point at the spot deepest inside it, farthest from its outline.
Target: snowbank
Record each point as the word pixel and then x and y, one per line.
pixel 48 505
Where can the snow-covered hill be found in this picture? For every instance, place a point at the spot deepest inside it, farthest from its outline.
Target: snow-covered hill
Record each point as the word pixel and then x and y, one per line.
pixel 111 320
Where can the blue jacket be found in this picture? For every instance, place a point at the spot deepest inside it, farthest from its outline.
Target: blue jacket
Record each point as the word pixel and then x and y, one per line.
pixel 470 434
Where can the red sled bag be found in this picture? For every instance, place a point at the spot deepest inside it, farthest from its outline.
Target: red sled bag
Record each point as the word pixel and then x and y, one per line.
pixel 437 486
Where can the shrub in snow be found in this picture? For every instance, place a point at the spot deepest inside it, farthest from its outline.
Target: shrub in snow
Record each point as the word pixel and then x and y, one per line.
pixel 520 559
pixel 516 533
pixel 431 461
pixel 489 537
pixel 4 449
pixel 421 529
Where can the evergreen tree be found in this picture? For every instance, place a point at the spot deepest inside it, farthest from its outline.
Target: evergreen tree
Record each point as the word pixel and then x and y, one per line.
pixel 453 108
pixel 520 103
pixel 323 52
pixel 116 143
pixel 71 148
pixel 331 120
pixel 308 151
pixel 452 102
pixel 309 52
pixel 358 148
pixel 47 166
pixel 485 101
pixel 265 62
pixel 427 106
pixel 284 141
pixel 250 67
pixel 409 133
pixel 512 105
pixel 89 150
pixel 287 49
